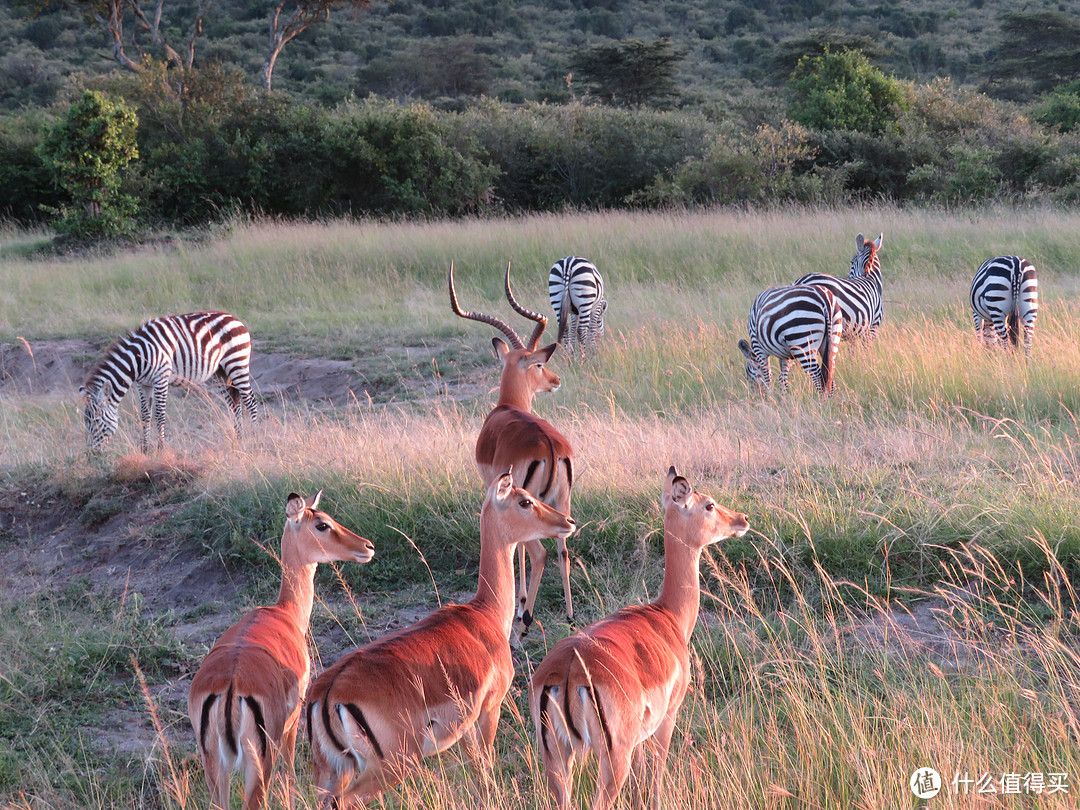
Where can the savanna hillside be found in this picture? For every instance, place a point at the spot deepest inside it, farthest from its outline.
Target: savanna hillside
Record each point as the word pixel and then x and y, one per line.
pixel 428 109
pixel 906 597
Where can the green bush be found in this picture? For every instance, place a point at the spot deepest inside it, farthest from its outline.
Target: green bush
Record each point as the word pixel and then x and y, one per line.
pixel 386 158
pixel 550 156
pixel 26 185
pixel 841 90
pixel 87 151
pixel 768 166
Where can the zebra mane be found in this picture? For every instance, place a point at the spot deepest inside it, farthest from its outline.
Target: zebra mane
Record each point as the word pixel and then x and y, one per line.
pixel 97 376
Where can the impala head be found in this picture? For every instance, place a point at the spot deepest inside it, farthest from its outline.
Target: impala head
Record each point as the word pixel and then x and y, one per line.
pixel 100 413
pixel 865 259
pixel 326 539
pixel 523 516
pixel 696 517
pixel 757 371
pixel 524 372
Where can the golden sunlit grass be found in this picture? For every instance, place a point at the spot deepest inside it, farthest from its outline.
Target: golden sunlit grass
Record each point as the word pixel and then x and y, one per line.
pixel 904 599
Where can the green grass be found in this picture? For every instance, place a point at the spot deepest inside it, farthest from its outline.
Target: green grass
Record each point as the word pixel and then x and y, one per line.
pixel 939 473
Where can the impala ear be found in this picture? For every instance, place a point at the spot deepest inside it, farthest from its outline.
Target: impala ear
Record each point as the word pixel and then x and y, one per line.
pixel 294 506
pixel 543 354
pixel 676 489
pixel 504 484
pixel 744 347
pixel 313 501
pixel 501 348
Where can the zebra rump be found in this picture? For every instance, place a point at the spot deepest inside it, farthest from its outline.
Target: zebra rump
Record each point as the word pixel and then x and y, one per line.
pixel 1004 300
pixel 859 295
pixel 793 323
pixel 576 291
pixel 192 347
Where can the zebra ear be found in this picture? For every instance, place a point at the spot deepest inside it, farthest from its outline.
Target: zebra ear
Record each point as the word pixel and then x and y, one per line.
pixel 877 242
pixel 744 347
pixel 859 242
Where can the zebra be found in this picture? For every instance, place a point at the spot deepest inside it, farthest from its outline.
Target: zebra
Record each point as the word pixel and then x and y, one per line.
pixel 1004 294
pixel 576 290
pixel 793 323
pixel 193 347
pixel 859 295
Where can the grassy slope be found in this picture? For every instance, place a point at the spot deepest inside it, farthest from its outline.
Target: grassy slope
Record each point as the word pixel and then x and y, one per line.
pixel 730 45
pixel 929 443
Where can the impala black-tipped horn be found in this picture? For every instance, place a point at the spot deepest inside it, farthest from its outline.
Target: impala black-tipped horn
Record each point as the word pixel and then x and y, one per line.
pixel 541 320
pixel 490 320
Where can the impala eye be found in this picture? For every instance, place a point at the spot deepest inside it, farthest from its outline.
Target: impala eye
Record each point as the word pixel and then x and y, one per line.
pixel 526 503
pixel 322 526
pixel 709 507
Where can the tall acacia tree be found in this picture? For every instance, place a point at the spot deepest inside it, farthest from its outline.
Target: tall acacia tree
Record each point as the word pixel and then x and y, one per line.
pixel 290 18
pixel 631 73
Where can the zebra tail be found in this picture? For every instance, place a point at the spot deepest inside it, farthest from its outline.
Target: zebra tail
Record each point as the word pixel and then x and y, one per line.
pixel 564 316
pixel 1013 323
pixel 829 348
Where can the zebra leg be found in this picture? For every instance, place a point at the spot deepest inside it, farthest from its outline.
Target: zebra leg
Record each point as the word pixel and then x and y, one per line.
pixel 232 397
pixel 146 401
pixel 1001 331
pixel 161 397
pixel 783 373
pixel 813 370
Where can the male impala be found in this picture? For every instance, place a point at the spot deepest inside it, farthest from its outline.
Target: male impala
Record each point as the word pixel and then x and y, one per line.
pixel 244 702
pixel 514 437
pixel 383 707
pixel 617 684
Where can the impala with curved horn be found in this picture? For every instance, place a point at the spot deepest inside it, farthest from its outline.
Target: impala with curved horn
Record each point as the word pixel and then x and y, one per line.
pixel 617 684
pixel 244 702
pixel 512 436
pixel 379 710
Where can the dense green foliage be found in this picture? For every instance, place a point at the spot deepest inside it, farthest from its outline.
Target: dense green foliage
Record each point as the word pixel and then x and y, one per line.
pixel 844 91
pixel 87 151
pixel 476 109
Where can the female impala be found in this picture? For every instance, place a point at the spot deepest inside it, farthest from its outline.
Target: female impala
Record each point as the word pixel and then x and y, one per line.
pixel 244 702
pixel 383 707
pixel 618 684
pixel 514 437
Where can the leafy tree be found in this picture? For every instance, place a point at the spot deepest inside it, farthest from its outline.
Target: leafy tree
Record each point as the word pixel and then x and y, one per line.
pixel 1038 50
pixel 144 27
pixel 631 73
pixel 788 53
pixel 290 18
pixel 1061 109
pixel 843 91
pixel 87 151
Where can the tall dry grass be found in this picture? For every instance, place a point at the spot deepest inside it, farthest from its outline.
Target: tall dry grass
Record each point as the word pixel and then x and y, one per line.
pixel 905 598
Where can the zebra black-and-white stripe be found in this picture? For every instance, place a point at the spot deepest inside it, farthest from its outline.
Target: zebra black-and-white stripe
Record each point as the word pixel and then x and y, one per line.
pixel 191 347
pixel 1004 300
pixel 576 290
pixel 859 295
pixel 793 323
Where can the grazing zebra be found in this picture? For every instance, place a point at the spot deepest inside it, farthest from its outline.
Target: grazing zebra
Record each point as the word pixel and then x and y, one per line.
pixel 1004 294
pixel 793 323
pixel 191 347
pixel 576 290
pixel 859 295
